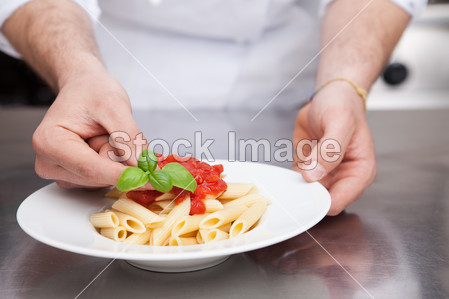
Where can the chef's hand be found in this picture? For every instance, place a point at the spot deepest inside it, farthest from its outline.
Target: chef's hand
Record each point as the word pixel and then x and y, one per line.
pixel 337 113
pixel 71 143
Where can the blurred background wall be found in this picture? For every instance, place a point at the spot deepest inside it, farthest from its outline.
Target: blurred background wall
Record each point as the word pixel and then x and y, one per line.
pixel 416 78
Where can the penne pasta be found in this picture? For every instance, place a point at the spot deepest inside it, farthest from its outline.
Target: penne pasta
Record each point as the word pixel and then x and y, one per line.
pixel 178 241
pixel 191 234
pixel 212 205
pixel 104 220
pixel 165 205
pixel 114 193
pixel 222 217
pixel 165 196
pixel 224 201
pixel 248 218
pixel 236 190
pixel 160 235
pixel 165 242
pixel 198 238
pixel 225 227
pixel 117 233
pixel 155 209
pixel 247 200
pixel 213 235
pixel 130 223
pixel 123 195
pixel 253 190
pixel 187 224
pixel 139 239
pixel 209 196
pixel 132 208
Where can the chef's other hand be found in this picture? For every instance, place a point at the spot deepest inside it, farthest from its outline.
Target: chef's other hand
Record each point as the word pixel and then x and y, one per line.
pixel 337 114
pixel 71 143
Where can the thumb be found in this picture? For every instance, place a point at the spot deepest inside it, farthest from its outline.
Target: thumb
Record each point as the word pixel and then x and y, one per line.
pixel 328 152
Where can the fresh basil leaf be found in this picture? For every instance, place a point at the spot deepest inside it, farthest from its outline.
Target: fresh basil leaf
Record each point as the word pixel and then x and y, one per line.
pixel 147 161
pixel 161 181
pixel 132 178
pixel 180 176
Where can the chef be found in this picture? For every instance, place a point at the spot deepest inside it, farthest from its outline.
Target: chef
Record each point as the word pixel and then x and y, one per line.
pixel 179 54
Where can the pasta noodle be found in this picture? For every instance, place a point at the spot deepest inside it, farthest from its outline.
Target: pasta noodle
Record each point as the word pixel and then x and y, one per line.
pixel 139 239
pixel 247 200
pixel 213 235
pixel 166 196
pixel 161 234
pixel 187 224
pixel 165 205
pixel 115 233
pixel 225 227
pixel 132 208
pixel 179 241
pixel 222 217
pixel 130 223
pixel 104 220
pixel 213 205
pixel 236 190
pixel 199 238
pixel 114 193
pixel 248 218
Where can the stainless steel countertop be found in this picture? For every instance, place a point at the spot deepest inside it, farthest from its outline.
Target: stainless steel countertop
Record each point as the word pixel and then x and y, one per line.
pixel 392 243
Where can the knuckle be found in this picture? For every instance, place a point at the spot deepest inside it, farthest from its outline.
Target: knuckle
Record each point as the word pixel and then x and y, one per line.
pixel 37 140
pixel 42 139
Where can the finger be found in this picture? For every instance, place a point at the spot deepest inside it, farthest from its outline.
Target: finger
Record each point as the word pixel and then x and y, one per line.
pixel 300 133
pixel 344 192
pixel 124 133
pixel 66 179
pixel 301 124
pixel 352 179
pixel 329 151
pixel 68 185
pixel 101 145
pixel 97 142
pixel 104 149
pixel 105 152
pixel 81 160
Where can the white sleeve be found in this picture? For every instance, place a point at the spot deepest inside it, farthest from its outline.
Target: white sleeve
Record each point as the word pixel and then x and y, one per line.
pixel 6 10
pixel 412 7
pixel 8 7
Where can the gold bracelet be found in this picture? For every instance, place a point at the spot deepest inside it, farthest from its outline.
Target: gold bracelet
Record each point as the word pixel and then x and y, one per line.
pixel 360 91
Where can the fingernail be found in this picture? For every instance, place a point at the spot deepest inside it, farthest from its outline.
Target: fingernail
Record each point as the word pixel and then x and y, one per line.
pixel 317 173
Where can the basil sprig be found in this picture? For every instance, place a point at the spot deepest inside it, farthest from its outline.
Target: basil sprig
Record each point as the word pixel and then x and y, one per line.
pixel 163 180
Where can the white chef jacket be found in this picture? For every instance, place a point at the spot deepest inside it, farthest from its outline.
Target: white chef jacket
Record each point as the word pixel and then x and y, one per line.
pixel 208 54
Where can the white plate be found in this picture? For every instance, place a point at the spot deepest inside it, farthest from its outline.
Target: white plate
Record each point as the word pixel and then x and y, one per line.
pixel 60 218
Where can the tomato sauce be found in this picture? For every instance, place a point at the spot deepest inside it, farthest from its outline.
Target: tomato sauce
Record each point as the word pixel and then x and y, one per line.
pixel 208 179
pixel 145 198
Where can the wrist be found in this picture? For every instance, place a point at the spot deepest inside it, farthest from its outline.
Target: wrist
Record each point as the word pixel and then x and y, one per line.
pixel 77 67
pixel 358 76
pixel 340 95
